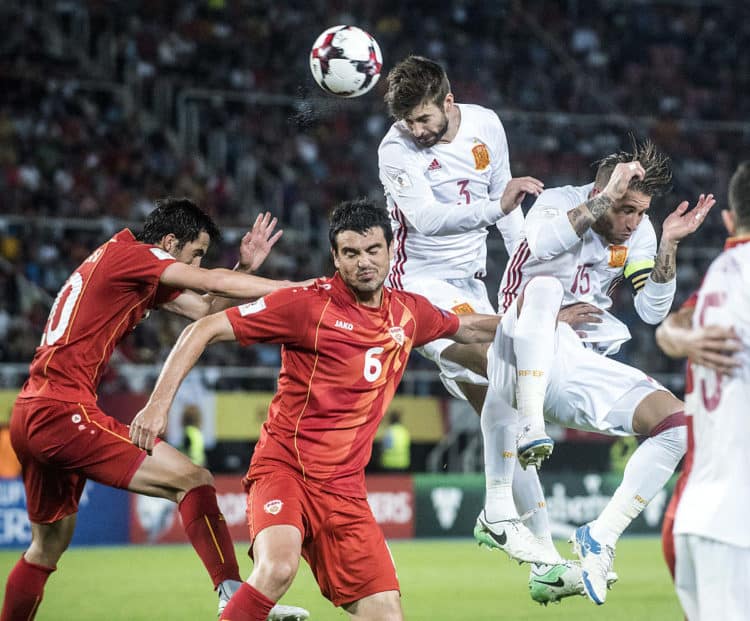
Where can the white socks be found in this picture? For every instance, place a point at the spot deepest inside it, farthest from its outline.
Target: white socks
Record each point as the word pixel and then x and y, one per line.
pixel 498 423
pixel 534 347
pixel 647 471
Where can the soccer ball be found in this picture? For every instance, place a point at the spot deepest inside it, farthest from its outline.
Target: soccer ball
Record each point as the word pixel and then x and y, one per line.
pixel 346 61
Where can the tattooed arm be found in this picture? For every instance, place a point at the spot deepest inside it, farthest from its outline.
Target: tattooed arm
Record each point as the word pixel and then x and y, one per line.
pixel 582 217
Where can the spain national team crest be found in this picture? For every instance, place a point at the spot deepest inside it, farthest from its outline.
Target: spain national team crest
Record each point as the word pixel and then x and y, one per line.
pixel 273 507
pixel 398 335
pixel 617 255
pixel 481 156
pixel 464 308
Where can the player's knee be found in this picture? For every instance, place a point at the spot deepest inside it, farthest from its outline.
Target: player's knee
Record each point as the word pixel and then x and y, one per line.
pixel 547 288
pixel 198 476
pixel 278 572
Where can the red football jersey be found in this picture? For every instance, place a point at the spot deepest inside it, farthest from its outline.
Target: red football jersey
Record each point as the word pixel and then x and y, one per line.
pixel 103 300
pixel 341 364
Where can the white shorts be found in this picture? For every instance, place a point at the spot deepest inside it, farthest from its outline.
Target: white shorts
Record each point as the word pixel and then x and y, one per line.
pixel 712 578
pixel 460 296
pixel 586 390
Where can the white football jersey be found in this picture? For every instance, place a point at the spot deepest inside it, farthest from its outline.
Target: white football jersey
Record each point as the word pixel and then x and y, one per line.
pixel 716 500
pixel 443 198
pixel 589 269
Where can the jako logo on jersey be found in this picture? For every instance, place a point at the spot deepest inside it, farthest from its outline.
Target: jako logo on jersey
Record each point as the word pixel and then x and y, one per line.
pixel 273 507
pixel 481 156
pixel 434 165
pixel 252 307
pixel 397 334
pixel 344 324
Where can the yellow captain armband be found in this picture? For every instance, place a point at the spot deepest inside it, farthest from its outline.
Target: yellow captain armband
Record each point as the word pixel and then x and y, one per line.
pixel 636 273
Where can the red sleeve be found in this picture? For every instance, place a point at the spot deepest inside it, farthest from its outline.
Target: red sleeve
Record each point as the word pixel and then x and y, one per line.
pixel 691 301
pixel 432 322
pixel 138 263
pixel 279 317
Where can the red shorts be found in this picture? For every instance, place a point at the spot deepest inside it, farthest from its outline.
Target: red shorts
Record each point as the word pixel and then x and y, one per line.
pixel 60 445
pixel 341 541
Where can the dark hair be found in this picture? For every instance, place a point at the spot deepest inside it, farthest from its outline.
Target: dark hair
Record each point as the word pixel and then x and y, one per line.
pixel 656 164
pixel 739 195
pixel 179 216
pixel 414 81
pixel 359 216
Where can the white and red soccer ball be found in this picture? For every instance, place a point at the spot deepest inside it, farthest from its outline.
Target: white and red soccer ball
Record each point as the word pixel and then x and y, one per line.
pixel 346 61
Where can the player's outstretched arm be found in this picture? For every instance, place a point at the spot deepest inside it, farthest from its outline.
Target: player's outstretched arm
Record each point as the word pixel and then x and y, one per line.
pixel 219 283
pixel 256 244
pixel 151 421
pixel 678 225
pixel 711 346
pixel 476 328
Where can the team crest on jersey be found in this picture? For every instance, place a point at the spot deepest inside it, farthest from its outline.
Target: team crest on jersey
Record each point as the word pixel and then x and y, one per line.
pixel 398 335
pixel 617 255
pixel 273 507
pixel 481 156
pixel 462 309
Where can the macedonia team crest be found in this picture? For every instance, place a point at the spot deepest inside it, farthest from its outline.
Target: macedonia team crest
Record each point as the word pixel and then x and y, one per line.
pixel 481 156
pixel 273 507
pixel 397 334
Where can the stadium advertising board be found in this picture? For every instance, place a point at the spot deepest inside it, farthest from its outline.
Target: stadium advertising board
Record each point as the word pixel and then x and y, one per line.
pixel 154 520
pixel 391 499
pixel 102 515
pixel 448 505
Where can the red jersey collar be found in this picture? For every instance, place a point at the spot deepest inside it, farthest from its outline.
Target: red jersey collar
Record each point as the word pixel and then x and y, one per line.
pixel 736 241
pixel 124 235
pixel 340 287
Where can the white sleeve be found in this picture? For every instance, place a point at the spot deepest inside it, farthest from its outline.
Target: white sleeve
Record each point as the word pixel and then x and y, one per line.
pixel 654 301
pixel 405 182
pixel 500 161
pixel 510 226
pixel 549 232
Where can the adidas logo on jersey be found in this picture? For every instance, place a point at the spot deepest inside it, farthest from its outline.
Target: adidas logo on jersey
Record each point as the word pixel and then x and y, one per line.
pixel 344 324
pixel 435 165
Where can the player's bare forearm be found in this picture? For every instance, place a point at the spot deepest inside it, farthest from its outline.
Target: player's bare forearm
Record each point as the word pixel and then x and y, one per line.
pixel 582 217
pixel 673 333
pixel 476 328
pixel 665 266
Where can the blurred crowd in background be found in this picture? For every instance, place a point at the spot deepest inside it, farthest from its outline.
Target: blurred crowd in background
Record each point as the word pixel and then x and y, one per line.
pixel 106 106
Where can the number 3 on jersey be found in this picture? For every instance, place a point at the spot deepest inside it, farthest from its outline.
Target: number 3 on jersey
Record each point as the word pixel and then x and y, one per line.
pixel 58 322
pixel 373 366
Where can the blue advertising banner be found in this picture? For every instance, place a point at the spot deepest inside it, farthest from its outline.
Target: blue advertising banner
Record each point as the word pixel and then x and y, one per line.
pixel 102 516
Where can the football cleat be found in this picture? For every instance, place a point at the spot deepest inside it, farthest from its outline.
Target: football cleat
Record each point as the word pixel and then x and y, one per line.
pixel 513 538
pixel 596 563
pixel 287 613
pixel 278 613
pixel 533 447
pixel 551 583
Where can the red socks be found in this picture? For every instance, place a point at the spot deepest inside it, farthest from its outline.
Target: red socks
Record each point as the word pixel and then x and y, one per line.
pixel 23 591
pixel 207 530
pixel 247 604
